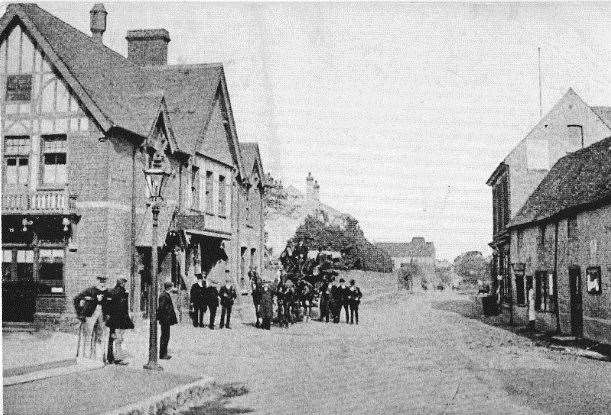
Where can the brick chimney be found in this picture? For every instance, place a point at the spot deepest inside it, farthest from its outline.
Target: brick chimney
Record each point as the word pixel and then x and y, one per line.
pixel 148 47
pixel 97 21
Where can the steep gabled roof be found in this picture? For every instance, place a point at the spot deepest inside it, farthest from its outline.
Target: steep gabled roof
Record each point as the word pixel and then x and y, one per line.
pixel 252 159
pixel 189 93
pixel 576 181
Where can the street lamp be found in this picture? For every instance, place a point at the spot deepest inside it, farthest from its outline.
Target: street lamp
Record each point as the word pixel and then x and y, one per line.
pixel 155 177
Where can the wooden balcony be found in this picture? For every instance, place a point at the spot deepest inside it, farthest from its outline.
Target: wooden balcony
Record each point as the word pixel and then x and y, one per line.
pixel 38 202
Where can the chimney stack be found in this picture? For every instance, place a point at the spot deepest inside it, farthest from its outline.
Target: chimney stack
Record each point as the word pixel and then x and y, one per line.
pixel 148 47
pixel 97 21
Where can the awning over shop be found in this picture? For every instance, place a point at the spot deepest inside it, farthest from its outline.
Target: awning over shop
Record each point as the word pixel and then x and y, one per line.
pixel 196 225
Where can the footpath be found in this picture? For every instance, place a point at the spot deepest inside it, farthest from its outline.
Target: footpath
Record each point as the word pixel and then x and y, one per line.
pixel 42 365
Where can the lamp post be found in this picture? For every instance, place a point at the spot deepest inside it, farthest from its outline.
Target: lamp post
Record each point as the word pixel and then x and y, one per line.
pixel 155 177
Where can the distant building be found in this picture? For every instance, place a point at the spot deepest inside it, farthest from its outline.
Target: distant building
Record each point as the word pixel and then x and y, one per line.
pixel 569 126
pixel 418 252
pixel 561 244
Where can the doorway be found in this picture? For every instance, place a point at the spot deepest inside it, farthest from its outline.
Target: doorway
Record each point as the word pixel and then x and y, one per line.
pixel 576 301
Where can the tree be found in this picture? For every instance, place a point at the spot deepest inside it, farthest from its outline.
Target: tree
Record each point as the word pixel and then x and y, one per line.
pixel 471 266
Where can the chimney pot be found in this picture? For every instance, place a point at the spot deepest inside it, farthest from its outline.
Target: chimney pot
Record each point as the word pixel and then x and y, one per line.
pixel 97 21
pixel 148 47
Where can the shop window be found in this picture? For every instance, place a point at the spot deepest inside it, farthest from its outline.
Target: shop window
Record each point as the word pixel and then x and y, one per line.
pixel 7 264
pixel 54 159
pixel 25 264
pixel 18 88
pixel 51 269
pixel 16 160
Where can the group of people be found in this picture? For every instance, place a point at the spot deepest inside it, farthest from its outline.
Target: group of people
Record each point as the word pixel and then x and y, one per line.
pixel 205 296
pixel 104 316
pixel 295 299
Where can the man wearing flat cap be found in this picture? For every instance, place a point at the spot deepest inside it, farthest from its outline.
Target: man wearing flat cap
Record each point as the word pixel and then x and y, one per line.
pixel 118 321
pixel 91 306
pixel 166 317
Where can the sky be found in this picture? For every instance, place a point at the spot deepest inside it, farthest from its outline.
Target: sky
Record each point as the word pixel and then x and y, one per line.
pixel 400 111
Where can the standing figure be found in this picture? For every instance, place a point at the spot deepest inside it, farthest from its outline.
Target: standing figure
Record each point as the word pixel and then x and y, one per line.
pixel 325 293
pixel 343 300
pixel 334 301
pixel 118 321
pixel 354 299
pixel 266 307
pixel 256 298
pixel 289 298
pixel 166 317
pixel 197 301
pixel 228 296
pixel 90 306
pixel 211 299
pixel 306 292
pixel 532 315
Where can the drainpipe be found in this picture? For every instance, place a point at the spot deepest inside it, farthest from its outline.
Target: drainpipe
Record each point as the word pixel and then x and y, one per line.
pixel 555 277
pixel 132 247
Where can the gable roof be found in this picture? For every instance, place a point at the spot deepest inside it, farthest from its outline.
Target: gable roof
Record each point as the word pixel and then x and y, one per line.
pixel 252 159
pixel 577 181
pixel 121 94
pixel 416 248
pixel 604 113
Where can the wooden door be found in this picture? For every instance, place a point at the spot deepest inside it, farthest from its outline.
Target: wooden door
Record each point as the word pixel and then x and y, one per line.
pixel 576 302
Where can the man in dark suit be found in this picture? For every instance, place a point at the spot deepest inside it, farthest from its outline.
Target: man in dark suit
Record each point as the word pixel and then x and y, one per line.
pixel 211 299
pixel 118 321
pixel 343 299
pixel 228 295
pixel 166 317
pixel 197 301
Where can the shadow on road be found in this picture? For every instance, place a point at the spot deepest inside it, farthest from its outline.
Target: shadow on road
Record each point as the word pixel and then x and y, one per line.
pixel 218 406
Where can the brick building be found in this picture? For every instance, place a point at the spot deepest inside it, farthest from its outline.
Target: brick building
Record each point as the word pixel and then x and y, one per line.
pixel 569 126
pixel 79 124
pixel 561 243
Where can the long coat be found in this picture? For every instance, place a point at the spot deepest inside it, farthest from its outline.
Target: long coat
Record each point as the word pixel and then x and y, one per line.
pixel 165 311
pixel 118 310
pixel 197 294
pixel 211 296
pixel 266 307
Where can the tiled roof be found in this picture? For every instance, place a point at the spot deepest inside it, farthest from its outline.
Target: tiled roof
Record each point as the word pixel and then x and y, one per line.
pixel 416 248
pixel 576 181
pixel 130 96
pixel 189 91
pixel 250 156
pixel 604 113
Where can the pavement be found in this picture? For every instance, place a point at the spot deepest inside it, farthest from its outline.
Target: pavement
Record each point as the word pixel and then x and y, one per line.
pixel 411 353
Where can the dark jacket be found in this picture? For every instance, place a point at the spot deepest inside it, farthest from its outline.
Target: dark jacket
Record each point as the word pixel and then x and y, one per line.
pixel 197 294
pixel 354 295
pixel 211 296
pixel 266 307
pixel 228 295
pixel 342 294
pixel 90 297
pixel 118 309
pixel 165 310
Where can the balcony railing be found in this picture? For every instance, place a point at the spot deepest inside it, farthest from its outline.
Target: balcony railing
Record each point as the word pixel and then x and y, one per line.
pixel 41 201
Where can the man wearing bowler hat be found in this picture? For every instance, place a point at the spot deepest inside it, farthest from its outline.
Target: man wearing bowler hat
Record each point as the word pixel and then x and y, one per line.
pixel 166 317
pixel 91 307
